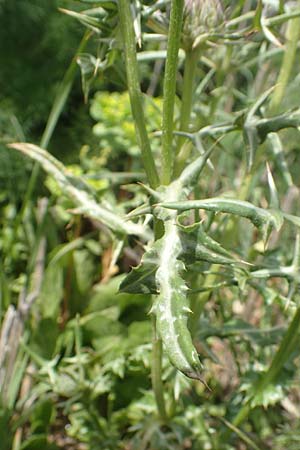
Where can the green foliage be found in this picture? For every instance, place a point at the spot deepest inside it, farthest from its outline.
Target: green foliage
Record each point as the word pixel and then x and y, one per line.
pixel 115 128
pixel 111 290
pixel 53 38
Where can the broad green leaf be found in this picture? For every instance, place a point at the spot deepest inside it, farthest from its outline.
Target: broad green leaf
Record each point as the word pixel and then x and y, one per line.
pixel 44 338
pixel 65 384
pixel 84 269
pixel 52 291
pixel 99 326
pixel 41 415
pixel 131 307
pixel 79 192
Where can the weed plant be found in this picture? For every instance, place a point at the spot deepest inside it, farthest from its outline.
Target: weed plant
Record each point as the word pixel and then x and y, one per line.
pixel 150 300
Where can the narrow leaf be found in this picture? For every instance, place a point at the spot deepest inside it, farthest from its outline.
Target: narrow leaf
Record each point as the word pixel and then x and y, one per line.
pixel 91 22
pixel 262 218
pixel 78 191
pixel 274 198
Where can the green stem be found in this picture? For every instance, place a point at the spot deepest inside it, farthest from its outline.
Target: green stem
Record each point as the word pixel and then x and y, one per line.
pixel 292 36
pixel 199 300
pixel 190 66
pixel 126 22
pixel 174 36
pixel 156 371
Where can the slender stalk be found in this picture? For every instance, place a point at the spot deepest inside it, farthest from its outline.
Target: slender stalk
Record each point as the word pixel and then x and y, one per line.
pixel 292 36
pixel 190 65
pixel 156 370
pixel 199 300
pixel 167 161
pixel 170 89
pixel 134 90
pixel 125 18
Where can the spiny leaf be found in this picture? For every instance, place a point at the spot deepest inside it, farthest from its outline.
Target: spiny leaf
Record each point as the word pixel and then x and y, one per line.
pixel 289 119
pixel 79 191
pixel 250 133
pixel 256 130
pixel 197 245
pixel 171 307
pixel 141 279
pixel 290 272
pixel 262 218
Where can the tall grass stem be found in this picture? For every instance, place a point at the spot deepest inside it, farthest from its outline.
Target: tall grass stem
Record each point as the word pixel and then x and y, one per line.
pixel 174 36
pixel 190 66
pixel 292 36
pixel 135 94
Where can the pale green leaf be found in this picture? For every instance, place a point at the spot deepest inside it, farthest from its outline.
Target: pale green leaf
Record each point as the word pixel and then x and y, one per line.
pixel 79 191
pixel 263 219
pixel 52 290
pixel 171 306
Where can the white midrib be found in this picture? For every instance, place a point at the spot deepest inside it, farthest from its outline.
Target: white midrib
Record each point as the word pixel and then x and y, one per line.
pixel 167 267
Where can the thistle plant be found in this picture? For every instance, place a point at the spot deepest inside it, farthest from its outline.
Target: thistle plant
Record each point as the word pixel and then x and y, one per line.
pixel 200 18
pixel 175 221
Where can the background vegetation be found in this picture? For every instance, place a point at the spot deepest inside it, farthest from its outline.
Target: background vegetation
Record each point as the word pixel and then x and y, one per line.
pixel 76 354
